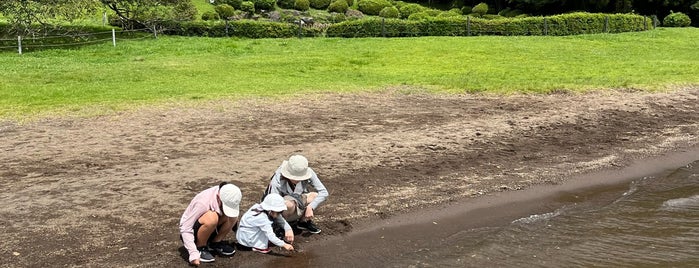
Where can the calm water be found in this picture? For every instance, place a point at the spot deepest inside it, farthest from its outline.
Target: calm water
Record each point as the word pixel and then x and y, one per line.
pixel 650 222
pixel 653 222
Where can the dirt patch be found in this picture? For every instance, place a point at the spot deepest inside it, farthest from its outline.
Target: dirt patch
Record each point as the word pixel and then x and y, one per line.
pixel 109 191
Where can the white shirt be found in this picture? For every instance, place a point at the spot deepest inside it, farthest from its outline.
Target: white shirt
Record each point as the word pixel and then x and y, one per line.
pixel 255 229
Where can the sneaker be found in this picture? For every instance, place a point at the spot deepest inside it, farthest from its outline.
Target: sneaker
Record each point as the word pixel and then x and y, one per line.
pixel 222 248
pixel 308 226
pixel 205 255
pixel 263 251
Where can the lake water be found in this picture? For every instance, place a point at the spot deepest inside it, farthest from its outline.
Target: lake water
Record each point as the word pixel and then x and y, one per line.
pixel 652 221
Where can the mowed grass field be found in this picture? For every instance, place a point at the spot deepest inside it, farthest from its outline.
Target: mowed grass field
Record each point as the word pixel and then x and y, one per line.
pixel 103 78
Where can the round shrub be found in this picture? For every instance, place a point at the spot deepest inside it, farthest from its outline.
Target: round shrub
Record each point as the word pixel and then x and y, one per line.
pixel 339 6
pixel 320 4
pixel 264 4
pixel 286 4
pixel 390 12
pixel 372 7
pixel 448 14
pixel 420 16
pixel 225 11
pixel 676 19
pixel 466 10
pixel 409 9
pixel 234 3
pixel 350 2
pixel 302 5
pixel 480 10
pixel 247 6
pixel 338 17
pixel 210 15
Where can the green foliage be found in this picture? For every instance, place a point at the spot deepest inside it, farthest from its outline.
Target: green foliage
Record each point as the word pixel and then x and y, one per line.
pixel 302 5
pixel 409 9
pixel 210 15
pixel 350 2
pixel 234 3
pixel 390 12
pixel 22 15
pixel 320 4
pixel 224 11
pixel 337 17
pixel 264 4
pixel 569 24
pixel 145 13
pixel 247 6
pixel 677 19
pixel 339 6
pixel 238 28
pixel 448 14
pixel 466 10
pixel 372 7
pixel 286 4
pixel 423 15
pixel 480 10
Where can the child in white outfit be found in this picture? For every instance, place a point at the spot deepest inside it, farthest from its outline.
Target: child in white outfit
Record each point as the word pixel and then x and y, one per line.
pixel 255 229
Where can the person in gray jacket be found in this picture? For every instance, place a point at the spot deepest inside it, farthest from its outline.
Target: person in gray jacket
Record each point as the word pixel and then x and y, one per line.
pixel 255 229
pixel 293 180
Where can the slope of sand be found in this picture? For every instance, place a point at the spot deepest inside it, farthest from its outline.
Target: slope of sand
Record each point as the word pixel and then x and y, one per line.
pixel 109 191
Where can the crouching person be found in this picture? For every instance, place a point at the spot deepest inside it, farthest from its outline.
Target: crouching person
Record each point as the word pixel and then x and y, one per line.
pixel 207 220
pixel 255 230
pixel 294 181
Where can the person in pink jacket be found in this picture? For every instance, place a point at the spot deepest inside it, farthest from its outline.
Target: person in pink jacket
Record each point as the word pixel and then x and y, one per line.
pixel 207 220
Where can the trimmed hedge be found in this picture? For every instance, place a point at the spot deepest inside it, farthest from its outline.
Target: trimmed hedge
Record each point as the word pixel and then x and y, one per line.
pixel 567 24
pixel 239 28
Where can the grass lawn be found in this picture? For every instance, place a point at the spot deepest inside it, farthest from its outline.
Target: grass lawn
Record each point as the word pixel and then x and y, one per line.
pixel 152 71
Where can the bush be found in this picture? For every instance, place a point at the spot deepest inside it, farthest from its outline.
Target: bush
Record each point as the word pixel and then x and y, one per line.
pixel 448 14
pixel 234 3
pixel 420 16
pixel 210 15
pixel 372 7
pixel 264 4
pixel 339 6
pixel 409 9
pixel 480 10
pixel 390 12
pixel 247 6
pixel 320 4
pixel 676 19
pixel 286 4
pixel 302 5
pixel 225 11
pixel 466 10
pixel 350 2
pixel 338 17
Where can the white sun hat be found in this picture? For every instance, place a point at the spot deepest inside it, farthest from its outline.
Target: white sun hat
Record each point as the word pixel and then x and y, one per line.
pixel 296 168
pixel 273 202
pixel 230 197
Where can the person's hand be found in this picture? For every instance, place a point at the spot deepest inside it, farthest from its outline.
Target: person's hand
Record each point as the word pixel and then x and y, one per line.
pixel 288 247
pixel 289 236
pixel 195 262
pixel 309 213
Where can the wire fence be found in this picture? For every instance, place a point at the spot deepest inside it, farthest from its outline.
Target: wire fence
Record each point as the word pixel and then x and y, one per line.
pixel 23 44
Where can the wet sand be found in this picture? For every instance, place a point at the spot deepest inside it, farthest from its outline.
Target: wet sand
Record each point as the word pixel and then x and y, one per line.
pixel 377 243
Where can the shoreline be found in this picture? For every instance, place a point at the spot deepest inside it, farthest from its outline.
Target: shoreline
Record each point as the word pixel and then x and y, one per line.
pixel 386 237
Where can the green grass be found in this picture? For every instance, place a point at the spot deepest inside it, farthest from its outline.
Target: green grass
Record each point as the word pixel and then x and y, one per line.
pixel 149 72
pixel 202 6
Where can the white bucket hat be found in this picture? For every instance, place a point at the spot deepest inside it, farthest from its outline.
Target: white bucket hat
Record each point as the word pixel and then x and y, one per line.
pixel 296 168
pixel 230 197
pixel 273 202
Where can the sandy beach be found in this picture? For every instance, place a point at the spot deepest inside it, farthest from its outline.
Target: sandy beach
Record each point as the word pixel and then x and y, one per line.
pixel 108 191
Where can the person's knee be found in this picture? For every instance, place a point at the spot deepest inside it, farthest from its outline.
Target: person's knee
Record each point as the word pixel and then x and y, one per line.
pixel 290 206
pixel 210 218
pixel 311 196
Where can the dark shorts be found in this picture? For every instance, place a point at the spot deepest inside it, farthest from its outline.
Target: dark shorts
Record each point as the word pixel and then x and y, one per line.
pixel 196 226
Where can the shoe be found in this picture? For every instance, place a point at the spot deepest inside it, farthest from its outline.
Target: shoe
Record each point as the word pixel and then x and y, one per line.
pixel 263 251
pixel 222 248
pixel 205 255
pixel 308 226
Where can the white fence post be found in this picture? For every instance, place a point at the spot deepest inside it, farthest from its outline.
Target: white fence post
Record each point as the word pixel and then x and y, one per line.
pixel 19 44
pixel 113 37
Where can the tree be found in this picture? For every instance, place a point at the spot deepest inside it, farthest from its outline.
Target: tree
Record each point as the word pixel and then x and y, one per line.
pixel 146 13
pixel 29 16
